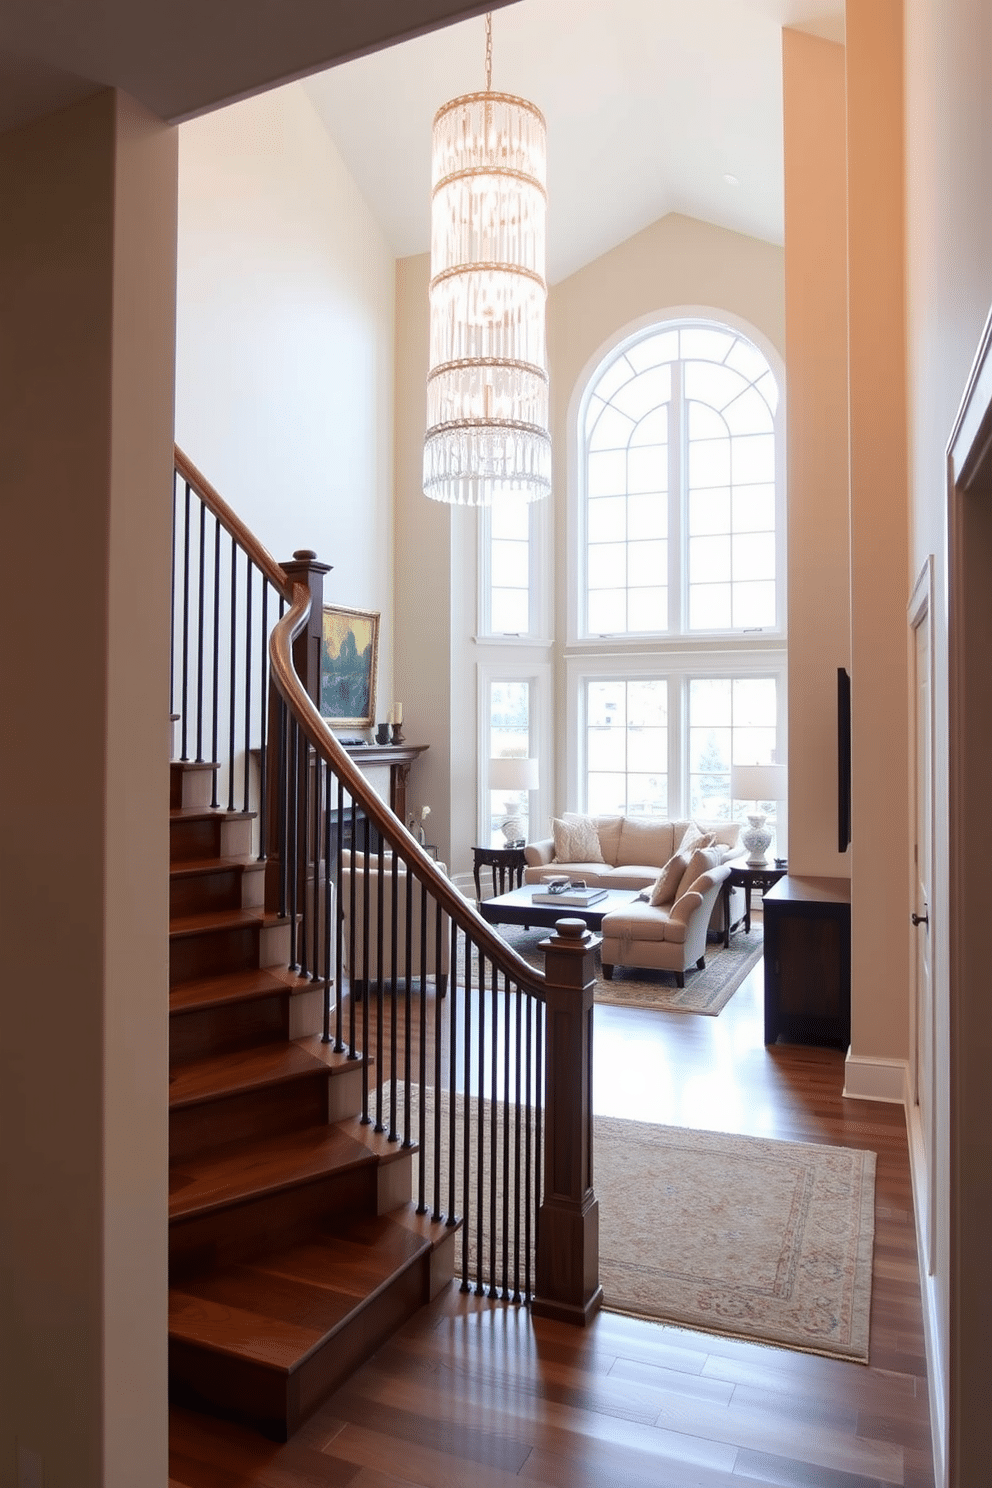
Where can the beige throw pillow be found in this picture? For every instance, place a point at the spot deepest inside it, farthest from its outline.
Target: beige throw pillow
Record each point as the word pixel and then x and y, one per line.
pixel 668 880
pixel 576 840
pixel 700 861
pixel 694 838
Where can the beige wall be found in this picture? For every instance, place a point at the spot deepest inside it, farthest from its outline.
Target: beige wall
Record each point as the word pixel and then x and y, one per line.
pixel 880 578
pixel 949 282
pixel 284 362
pixel 87 276
pixel 818 470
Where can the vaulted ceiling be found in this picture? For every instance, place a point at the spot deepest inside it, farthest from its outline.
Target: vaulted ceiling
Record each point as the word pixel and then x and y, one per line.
pixel 653 106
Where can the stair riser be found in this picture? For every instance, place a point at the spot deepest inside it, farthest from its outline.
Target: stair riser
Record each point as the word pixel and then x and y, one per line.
pixel 223 888
pixel 218 836
pixel 228 1027
pixel 276 1402
pixel 288 1106
pixel 191 785
pixel 240 1232
pixel 235 948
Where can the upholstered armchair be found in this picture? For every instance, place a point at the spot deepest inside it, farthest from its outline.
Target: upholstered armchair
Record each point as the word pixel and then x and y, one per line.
pixel 668 937
pixel 372 962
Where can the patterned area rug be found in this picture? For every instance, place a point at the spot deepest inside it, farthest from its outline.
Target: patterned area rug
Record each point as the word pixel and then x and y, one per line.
pixel 763 1240
pixel 707 991
pixel 743 1236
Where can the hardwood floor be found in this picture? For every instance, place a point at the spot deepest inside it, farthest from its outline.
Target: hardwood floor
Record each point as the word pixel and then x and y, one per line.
pixel 471 1394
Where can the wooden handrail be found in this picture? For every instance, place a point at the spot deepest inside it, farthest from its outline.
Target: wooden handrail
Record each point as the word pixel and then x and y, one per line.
pixel 229 519
pixel 315 729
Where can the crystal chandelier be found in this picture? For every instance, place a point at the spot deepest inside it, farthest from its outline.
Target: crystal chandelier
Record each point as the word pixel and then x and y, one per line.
pixel 487 388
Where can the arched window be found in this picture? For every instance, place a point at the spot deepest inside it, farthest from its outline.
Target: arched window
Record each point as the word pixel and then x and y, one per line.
pixel 678 665
pixel 678 486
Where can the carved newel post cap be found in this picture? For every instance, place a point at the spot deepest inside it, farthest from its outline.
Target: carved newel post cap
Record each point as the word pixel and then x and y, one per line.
pixel 304 554
pixel 570 929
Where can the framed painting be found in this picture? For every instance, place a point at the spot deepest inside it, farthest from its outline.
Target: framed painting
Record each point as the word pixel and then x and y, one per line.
pixel 349 657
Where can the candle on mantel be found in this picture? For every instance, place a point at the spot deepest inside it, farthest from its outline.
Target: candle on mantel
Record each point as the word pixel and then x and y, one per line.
pixel 397 713
pixel 389 717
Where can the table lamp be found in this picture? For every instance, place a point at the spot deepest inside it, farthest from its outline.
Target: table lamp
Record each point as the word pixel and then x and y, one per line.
pixel 513 776
pixel 757 783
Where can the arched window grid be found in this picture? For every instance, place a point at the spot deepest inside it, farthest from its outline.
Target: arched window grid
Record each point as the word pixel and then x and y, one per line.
pixel 680 488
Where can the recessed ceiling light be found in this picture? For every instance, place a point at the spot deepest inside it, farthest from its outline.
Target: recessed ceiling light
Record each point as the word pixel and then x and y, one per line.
pixel 731 180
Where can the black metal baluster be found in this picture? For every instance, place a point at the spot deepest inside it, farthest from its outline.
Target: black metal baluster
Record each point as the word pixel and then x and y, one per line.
pixel 527 1148
pixel 330 935
pixel 215 698
pixel 394 889
pixel 201 592
pixel 366 967
pixel 422 1132
pixel 292 810
pixel 234 672
pixel 505 1105
pixel 249 586
pixel 263 713
pixel 517 1118
pixel 172 606
pixel 453 1081
pixel 494 1110
pixel 380 1032
pixel 301 859
pixel 466 1120
pixel 480 1152
pixel 408 1014
pixel 282 803
pixel 185 729
pixel 438 1035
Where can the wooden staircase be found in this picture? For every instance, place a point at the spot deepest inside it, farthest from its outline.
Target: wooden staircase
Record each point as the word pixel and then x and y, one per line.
pixel 294 1249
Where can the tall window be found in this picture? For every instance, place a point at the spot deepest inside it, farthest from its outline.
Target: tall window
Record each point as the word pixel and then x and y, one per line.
pixel 509 738
pixel 679 487
pixel 678 670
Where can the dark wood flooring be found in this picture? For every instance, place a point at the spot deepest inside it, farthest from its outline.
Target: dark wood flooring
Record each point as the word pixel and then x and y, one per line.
pixel 471 1394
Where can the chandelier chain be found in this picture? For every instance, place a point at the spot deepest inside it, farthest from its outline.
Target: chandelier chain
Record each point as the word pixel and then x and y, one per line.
pixel 489 51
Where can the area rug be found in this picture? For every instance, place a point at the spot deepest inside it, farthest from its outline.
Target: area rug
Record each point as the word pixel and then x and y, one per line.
pixel 742 1236
pixel 764 1240
pixel 707 991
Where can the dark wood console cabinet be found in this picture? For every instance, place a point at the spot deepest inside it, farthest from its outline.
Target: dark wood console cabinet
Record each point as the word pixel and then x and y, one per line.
pixel 808 961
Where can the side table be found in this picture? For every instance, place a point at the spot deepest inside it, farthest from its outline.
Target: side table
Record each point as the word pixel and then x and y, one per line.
pixel 506 864
pixel 747 879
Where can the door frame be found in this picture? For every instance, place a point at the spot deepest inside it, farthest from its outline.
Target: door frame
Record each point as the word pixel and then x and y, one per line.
pixel 920 610
pixel 969 637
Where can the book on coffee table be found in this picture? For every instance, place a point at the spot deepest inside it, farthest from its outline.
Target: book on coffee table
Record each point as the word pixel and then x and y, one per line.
pixel 577 898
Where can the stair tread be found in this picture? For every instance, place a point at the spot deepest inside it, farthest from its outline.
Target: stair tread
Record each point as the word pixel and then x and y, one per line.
pixel 195 867
pixel 281 1307
pixel 208 813
pixel 234 986
pixel 248 1169
pixel 240 1071
pixel 221 919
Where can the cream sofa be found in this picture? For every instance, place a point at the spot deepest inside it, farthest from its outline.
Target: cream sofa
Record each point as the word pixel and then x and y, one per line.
pixel 632 850
pixel 667 937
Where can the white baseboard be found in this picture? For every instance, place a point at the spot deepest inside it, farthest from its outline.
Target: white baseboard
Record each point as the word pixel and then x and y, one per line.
pixel 876 1079
pixel 936 1387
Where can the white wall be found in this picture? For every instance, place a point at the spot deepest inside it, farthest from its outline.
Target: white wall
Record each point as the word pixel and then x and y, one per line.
pixel 284 363
pixel 949 262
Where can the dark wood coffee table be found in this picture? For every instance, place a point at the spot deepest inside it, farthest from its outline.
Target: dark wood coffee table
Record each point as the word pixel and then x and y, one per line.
pixel 518 908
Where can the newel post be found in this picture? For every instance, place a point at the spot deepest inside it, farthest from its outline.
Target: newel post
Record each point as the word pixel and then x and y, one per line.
pixel 568 1286
pixel 302 569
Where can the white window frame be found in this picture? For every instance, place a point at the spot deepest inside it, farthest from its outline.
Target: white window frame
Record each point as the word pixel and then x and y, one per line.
pixel 539 676
pixel 540 580
pixel 678 669
pixel 627 336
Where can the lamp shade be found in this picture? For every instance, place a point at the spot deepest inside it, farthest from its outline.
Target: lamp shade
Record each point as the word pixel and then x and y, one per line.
pixel 512 774
pixel 757 782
